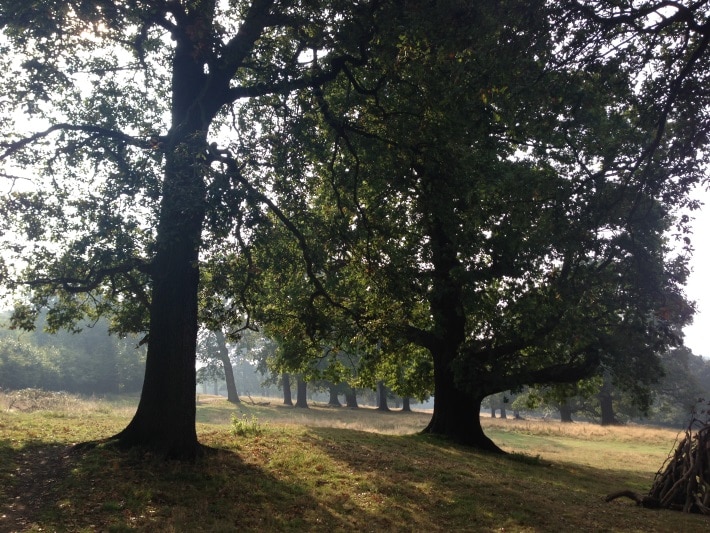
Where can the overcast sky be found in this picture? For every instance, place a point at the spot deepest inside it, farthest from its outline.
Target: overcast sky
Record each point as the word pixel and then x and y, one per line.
pixel 697 335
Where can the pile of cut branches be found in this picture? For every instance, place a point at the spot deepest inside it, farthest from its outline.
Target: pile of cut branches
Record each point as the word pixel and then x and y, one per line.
pixel 683 482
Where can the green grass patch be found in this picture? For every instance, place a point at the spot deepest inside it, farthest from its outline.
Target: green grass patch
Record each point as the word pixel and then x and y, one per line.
pixel 326 469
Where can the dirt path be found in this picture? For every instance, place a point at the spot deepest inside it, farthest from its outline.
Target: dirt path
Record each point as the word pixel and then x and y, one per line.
pixel 36 475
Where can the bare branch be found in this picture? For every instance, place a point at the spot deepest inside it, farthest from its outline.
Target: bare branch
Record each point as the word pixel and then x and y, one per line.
pixel 14 147
pixel 75 285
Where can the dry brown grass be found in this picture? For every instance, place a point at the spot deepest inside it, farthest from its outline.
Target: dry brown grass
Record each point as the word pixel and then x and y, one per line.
pixel 632 433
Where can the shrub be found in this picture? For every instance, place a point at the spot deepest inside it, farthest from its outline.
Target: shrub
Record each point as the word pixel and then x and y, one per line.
pixel 245 426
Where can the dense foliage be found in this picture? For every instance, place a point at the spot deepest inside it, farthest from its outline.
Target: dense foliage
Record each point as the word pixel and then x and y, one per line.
pixel 89 362
pixel 508 213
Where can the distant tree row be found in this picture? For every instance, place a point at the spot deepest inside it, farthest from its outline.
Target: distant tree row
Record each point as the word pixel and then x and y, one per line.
pixel 336 373
pixel 260 365
pixel 670 400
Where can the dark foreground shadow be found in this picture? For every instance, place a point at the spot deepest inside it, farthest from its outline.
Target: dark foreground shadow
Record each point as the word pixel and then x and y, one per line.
pixel 99 488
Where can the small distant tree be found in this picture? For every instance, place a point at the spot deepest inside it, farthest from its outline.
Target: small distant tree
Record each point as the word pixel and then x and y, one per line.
pixel 286 386
pixel 214 353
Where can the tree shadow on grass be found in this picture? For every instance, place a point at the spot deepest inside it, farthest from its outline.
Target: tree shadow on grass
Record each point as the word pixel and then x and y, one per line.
pixel 30 478
pixel 52 488
pixel 435 485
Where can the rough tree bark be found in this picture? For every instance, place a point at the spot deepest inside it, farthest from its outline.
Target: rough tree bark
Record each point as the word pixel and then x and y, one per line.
pixel 606 404
pixel 456 413
pixel 165 418
pixel 565 412
pixel 351 398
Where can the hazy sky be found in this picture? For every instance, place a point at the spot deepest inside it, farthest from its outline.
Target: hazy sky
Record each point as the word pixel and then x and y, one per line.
pixel 697 335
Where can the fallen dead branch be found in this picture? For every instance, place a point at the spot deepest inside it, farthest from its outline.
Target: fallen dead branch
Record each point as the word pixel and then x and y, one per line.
pixel 262 404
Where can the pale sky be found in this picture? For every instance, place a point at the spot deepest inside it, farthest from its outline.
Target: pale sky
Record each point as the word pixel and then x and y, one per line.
pixel 697 335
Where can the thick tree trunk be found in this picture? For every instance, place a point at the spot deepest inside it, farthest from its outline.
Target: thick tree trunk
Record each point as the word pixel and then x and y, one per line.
pixel 286 384
pixel 493 410
pixel 565 412
pixel 456 413
pixel 223 354
pixel 333 396
pixel 165 418
pixel 301 393
pixel 503 412
pixel 406 407
pixel 606 405
pixel 382 397
pixel 351 398
pixel 606 402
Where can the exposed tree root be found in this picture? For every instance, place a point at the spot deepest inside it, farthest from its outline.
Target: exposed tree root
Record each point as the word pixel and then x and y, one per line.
pixel 643 501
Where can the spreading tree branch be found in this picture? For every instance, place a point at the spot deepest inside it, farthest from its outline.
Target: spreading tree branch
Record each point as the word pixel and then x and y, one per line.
pixel 11 148
pixel 96 276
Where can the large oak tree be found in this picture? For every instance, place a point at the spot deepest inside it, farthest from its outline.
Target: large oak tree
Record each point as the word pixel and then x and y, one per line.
pixel 116 115
pixel 502 182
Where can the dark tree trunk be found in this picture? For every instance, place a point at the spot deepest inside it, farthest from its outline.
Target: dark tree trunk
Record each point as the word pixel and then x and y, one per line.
pixel 223 354
pixel 333 396
pixel 493 411
pixel 351 398
pixel 382 397
pixel 165 418
pixel 606 405
pixel 286 384
pixel 565 412
pixel 606 402
pixel 503 412
pixel 301 391
pixel 457 413
pixel 406 407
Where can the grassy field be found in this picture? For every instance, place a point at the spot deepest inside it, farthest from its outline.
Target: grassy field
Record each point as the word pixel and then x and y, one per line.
pixel 324 469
